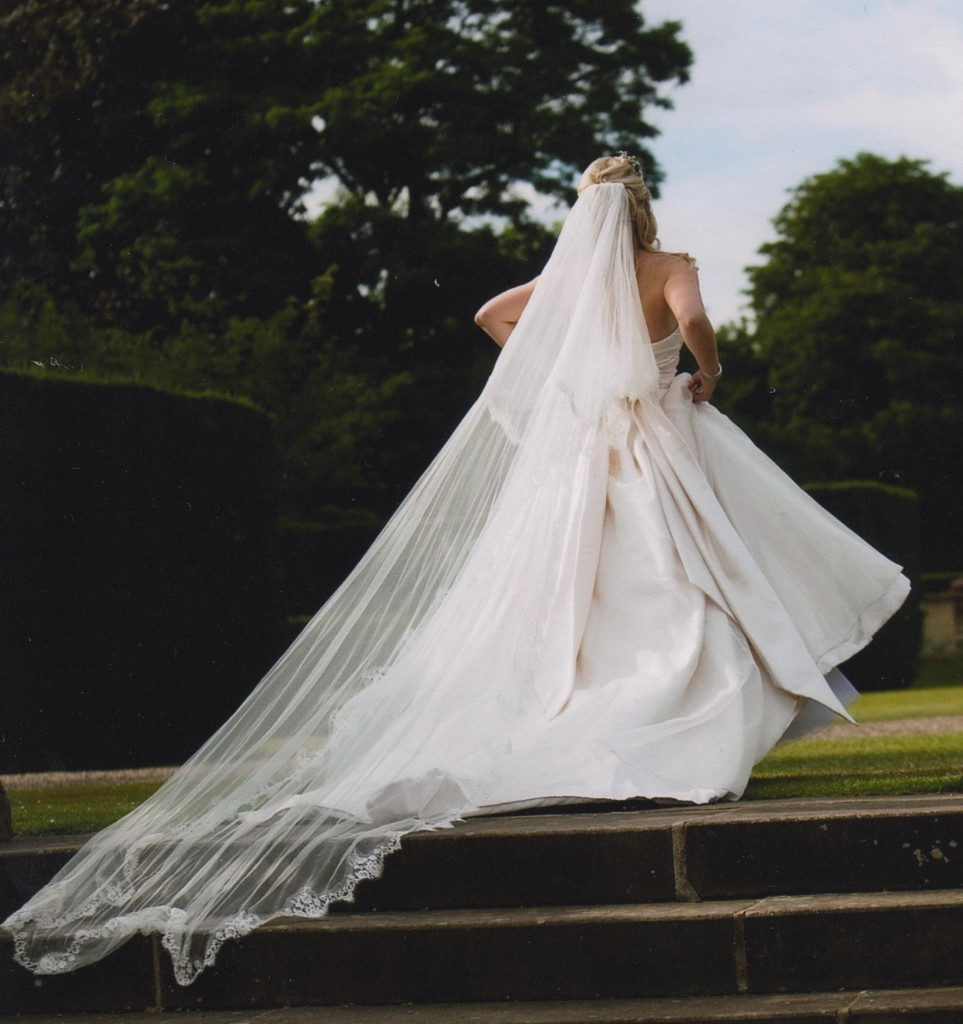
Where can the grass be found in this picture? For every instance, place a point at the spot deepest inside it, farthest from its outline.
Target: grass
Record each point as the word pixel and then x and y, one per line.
pixel 890 765
pixel 894 704
pixel 73 809
pixel 924 763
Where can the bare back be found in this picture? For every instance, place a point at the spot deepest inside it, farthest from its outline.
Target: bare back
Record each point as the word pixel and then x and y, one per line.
pixel 669 292
pixel 663 278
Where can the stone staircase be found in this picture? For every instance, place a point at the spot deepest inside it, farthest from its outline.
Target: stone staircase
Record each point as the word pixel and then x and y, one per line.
pixel 791 910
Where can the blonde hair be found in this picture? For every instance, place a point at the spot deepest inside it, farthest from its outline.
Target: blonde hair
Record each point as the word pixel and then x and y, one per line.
pixel 625 170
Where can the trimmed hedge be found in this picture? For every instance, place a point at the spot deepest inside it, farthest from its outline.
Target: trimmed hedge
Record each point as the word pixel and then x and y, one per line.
pixel 888 518
pixel 138 603
pixel 317 556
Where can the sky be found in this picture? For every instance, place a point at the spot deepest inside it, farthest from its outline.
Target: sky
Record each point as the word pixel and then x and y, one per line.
pixel 781 90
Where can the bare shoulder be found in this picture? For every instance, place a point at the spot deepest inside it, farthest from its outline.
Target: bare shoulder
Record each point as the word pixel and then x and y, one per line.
pixel 666 265
pixel 680 263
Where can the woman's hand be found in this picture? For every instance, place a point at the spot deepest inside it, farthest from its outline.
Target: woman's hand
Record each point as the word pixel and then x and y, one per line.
pixel 701 387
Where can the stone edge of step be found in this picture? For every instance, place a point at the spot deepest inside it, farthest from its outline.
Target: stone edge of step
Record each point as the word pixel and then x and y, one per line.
pixel 741 946
pixel 686 854
pixel 647 818
pixel 409 921
pixel 838 1007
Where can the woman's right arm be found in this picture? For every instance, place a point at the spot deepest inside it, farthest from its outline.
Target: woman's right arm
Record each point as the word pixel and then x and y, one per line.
pixel 497 318
pixel 685 300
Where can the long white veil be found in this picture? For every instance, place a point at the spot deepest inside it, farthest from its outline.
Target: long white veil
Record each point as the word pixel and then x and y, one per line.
pixel 389 712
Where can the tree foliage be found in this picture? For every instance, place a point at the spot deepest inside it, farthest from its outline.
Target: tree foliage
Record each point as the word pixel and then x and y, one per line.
pixel 858 309
pixel 72 116
pixel 157 151
pixel 155 154
pixel 436 107
pixel 156 158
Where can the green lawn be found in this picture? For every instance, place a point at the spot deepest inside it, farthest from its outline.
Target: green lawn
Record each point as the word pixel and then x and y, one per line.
pixel 845 767
pixel 861 767
pixel 928 703
pixel 72 809
pixel 882 764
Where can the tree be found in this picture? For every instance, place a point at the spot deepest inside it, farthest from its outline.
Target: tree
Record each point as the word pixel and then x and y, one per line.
pixel 439 107
pixel 73 114
pixel 157 151
pixel 858 310
pixel 435 112
pixel 175 141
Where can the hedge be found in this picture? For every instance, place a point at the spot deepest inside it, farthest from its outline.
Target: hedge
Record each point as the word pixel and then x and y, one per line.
pixel 317 556
pixel 888 518
pixel 139 597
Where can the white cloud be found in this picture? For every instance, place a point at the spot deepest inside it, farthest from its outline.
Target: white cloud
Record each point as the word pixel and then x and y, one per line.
pixel 781 91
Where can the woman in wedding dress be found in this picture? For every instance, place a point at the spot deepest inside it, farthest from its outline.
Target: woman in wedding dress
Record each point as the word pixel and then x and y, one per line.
pixel 599 589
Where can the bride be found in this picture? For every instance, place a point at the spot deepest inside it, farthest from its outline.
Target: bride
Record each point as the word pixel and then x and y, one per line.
pixel 599 589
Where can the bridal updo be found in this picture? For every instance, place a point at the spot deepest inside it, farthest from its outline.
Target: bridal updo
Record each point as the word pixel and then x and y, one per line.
pixel 624 170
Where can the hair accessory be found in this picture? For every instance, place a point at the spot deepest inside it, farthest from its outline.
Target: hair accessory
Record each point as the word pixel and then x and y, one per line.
pixel 633 162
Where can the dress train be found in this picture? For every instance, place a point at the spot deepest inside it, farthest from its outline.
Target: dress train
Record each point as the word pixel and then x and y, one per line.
pixel 590 594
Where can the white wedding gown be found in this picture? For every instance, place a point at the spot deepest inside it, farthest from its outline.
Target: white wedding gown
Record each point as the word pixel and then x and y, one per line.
pixel 683 559
pixel 598 590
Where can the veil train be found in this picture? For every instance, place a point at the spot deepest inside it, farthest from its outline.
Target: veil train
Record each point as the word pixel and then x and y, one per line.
pixel 404 701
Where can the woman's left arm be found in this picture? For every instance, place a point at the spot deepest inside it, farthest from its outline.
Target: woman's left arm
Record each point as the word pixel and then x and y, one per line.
pixel 684 299
pixel 497 318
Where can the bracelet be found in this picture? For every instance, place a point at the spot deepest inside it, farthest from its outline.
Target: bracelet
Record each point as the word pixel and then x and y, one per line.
pixel 712 376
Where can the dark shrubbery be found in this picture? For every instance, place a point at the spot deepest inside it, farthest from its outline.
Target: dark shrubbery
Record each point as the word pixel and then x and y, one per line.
pixel 317 556
pixel 888 518
pixel 138 599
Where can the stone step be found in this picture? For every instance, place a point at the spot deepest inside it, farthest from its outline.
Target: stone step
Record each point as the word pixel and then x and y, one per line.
pixel 723 851
pixel 900 1006
pixel 779 944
